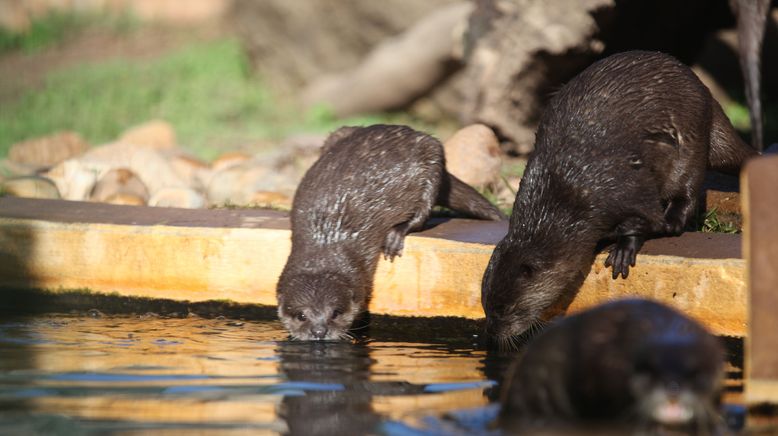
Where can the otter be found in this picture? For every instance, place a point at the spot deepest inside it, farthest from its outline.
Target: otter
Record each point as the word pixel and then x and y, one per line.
pixel 630 363
pixel 620 155
pixel 368 189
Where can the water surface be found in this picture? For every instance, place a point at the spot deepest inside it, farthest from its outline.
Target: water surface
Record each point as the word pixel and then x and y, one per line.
pixel 82 374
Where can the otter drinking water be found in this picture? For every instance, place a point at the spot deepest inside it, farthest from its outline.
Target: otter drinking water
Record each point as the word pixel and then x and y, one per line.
pixel 630 364
pixel 620 155
pixel 369 188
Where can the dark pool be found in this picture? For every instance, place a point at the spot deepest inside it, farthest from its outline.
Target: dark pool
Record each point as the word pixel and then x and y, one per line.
pixel 93 374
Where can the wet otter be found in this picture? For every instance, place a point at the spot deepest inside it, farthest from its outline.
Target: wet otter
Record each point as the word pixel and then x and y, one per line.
pixel 633 362
pixel 620 155
pixel 368 189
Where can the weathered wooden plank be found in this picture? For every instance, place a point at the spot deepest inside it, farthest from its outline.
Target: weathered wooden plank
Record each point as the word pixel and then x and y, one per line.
pixel 238 255
pixel 760 189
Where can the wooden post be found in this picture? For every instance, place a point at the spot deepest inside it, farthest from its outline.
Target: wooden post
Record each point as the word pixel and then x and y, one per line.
pixel 760 188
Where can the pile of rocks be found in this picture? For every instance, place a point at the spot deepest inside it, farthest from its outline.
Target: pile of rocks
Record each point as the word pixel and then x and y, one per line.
pixel 146 166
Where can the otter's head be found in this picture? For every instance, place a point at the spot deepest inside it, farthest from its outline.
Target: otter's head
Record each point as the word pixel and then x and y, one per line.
pixel 522 281
pixel 676 381
pixel 317 306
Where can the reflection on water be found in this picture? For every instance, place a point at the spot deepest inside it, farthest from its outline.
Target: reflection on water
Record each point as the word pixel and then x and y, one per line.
pixel 129 374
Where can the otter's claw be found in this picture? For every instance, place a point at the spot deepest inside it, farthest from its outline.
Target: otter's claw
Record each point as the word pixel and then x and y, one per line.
pixel 623 255
pixel 393 246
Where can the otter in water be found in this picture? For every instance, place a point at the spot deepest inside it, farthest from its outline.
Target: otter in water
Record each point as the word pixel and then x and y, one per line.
pixel 620 155
pixel 368 189
pixel 632 362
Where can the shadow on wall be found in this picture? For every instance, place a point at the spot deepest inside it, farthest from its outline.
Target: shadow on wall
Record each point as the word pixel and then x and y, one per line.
pixel 16 248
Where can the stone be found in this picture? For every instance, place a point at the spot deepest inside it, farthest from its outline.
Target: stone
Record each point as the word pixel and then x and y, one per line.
pixel 126 199
pixel 229 159
pixel 238 184
pixel 473 155
pixel 120 186
pixel 10 168
pixel 194 172
pixel 47 151
pixel 76 178
pixel 30 187
pixel 186 198
pixel 155 134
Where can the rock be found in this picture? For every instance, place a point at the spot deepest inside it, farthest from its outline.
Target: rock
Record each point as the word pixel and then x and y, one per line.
pixel 186 198
pixel 194 172
pixel 238 184
pixel 120 186
pixel 30 187
pixel 10 168
pixel 156 134
pixel 229 159
pixel 473 155
pixel 506 192
pixel 48 150
pixel 76 178
pixel 126 199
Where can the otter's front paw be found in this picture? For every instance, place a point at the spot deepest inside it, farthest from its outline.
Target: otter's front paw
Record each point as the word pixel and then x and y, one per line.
pixel 393 246
pixel 623 255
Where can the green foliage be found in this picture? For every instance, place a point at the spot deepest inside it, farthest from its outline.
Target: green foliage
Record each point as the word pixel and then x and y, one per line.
pixel 204 90
pixel 738 115
pixel 43 32
pixel 57 26
pixel 710 223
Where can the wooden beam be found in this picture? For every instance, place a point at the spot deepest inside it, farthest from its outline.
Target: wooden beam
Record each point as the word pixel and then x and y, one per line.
pixel 760 192
pixel 237 255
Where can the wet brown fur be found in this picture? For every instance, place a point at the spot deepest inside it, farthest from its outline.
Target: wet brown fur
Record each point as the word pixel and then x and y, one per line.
pixel 620 155
pixel 614 365
pixel 369 188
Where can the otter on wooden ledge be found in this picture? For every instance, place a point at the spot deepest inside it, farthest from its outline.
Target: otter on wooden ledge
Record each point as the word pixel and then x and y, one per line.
pixel 620 156
pixel 368 189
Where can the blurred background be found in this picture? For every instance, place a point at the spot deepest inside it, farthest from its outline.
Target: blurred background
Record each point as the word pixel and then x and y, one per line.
pixel 219 83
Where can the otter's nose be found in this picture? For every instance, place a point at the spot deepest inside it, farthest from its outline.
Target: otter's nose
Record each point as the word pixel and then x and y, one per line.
pixel 319 332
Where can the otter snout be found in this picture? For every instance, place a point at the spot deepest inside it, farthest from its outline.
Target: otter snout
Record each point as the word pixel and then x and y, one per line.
pixel 319 332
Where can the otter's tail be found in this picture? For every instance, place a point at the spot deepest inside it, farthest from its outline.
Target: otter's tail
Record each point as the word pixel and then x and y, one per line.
pixel 728 152
pixel 461 197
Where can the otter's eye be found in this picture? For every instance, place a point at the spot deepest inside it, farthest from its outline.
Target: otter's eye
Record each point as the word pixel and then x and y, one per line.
pixel 336 313
pixel 525 271
pixel 301 316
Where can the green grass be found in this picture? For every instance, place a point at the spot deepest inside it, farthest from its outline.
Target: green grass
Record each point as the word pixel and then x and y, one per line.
pixel 738 115
pixel 710 223
pixel 204 90
pixel 57 26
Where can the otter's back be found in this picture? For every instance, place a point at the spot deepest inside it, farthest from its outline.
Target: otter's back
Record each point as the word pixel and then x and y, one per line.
pixel 637 106
pixel 365 182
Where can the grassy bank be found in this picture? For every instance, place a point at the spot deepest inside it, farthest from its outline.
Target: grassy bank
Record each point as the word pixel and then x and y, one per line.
pixel 204 90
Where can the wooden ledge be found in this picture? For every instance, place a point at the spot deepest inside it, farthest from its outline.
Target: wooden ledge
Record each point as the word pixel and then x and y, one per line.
pixel 237 255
